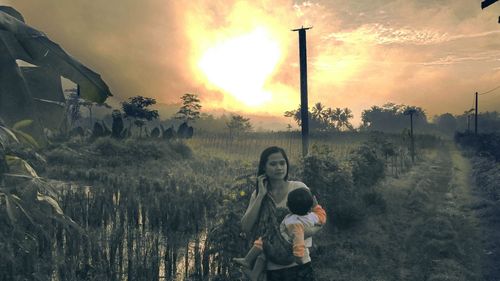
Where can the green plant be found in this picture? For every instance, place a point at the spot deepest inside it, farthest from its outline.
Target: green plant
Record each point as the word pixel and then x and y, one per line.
pixel 28 208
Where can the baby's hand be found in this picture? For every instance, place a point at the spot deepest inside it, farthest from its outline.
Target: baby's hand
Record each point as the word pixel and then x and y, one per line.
pixel 315 201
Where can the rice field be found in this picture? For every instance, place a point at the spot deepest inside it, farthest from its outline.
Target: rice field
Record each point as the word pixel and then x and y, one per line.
pixel 160 210
pixel 249 146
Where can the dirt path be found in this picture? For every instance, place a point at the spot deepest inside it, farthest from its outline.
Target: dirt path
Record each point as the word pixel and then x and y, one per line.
pixel 429 230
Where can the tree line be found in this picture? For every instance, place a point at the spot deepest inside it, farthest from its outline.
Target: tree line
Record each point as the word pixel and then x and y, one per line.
pixel 390 117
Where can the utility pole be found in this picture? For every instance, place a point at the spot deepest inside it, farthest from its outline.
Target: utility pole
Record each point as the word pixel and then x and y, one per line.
pixel 304 112
pixel 475 118
pixel 410 112
pixel 412 140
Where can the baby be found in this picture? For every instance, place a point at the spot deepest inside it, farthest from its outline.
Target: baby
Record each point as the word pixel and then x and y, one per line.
pixel 304 213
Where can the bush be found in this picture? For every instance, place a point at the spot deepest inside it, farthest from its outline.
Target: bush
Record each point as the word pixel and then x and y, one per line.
pixel 376 201
pixel 143 149
pixel 484 144
pixel 109 147
pixel 367 166
pixel 334 188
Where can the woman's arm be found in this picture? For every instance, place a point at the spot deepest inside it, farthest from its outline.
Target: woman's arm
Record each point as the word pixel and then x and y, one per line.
pixel 250 217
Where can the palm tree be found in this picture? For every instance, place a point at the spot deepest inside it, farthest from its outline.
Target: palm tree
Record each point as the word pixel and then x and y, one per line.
pixel 344 117
pixel 317 111
pixel 411 110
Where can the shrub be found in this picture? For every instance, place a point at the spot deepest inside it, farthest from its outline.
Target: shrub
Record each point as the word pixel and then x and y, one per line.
pixel 333 185
pixel 367 166
pixel 108 147
pixel 142 149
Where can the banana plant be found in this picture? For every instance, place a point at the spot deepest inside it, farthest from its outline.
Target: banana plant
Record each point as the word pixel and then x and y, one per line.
pixel 26 195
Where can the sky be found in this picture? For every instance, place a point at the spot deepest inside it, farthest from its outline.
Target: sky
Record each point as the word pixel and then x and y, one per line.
pixel 241 56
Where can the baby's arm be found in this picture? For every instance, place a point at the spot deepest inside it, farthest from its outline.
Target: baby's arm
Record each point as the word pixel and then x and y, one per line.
pixel 296 230
pixel 320 219
pixel 320 213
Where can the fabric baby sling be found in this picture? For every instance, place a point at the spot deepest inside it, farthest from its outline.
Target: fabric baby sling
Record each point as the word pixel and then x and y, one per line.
pixel 276 248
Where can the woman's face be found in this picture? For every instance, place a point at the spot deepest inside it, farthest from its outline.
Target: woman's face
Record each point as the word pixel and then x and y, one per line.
pixel 276 166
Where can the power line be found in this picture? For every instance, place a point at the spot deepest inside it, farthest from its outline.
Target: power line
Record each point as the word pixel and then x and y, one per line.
pixel 487 92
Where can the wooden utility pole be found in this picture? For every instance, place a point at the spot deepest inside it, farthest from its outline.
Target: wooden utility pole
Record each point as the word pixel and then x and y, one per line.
pixel 412 139
pixel 410 112
pixel 304 112
pixel 475 118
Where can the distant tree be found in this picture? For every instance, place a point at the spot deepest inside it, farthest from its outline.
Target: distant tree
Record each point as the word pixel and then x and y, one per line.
pixel 185 131
pixel 211 123
pixel 117 125
pixel 391 118
pixel 89 104
pixel 295 114
pixel 339 118
pixel 324 119
pixel 317 121
pixel 238 124
pixel 489 122
pixel 136 108
pixel 318 111
pixel 446 123
pixel 190 109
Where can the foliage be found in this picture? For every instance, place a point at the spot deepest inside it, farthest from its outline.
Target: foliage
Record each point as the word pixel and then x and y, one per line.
pixel 334 187
pixel 28 208
pixel 136 108
pixel 391 118
pixel 484 144
pixel 190 109
pixel 347 190
pixel 238 124
pixel 446 123
pixel 367 166
pixel 117 125
pixel 176 198
pixel 324 119
pixel 488 122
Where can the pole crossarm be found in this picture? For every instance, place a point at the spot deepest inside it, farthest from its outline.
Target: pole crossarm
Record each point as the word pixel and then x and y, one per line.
pixel 305 28
pixel 486 3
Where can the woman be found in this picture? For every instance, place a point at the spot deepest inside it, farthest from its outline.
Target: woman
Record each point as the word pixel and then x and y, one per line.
pixel 266 210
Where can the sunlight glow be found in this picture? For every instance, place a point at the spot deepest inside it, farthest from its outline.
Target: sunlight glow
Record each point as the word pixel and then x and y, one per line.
pixel 241 65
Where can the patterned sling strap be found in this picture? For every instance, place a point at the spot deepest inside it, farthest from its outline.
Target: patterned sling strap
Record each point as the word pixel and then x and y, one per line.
pixel 276 248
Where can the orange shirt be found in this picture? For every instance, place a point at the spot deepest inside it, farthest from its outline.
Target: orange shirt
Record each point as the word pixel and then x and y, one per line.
pixel 292 228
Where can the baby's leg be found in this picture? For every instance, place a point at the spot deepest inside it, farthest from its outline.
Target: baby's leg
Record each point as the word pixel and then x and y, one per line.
pixel 254 252
pixel 258 269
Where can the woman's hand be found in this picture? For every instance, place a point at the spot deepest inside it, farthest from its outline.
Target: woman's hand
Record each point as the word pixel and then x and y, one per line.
pixel 252 213
pixel 262 185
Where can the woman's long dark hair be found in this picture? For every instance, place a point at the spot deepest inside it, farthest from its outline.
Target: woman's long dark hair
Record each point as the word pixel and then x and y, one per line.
pixel 263 160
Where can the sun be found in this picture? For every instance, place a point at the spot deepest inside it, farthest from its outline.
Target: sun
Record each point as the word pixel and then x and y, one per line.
pixel 241 65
